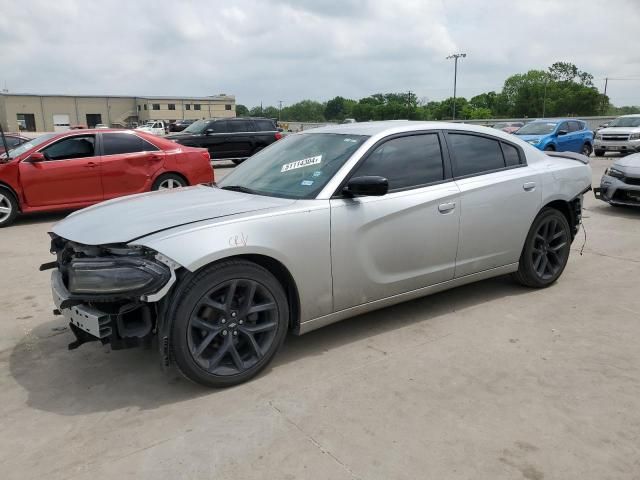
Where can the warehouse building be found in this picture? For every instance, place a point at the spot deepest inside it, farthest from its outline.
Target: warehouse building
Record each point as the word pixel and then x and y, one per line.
pixel 48 113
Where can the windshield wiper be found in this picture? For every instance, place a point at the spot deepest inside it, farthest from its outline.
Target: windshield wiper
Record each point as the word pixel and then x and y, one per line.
pixel 238 188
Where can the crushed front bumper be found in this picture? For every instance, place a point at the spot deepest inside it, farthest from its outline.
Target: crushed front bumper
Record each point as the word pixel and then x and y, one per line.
pixel 82 318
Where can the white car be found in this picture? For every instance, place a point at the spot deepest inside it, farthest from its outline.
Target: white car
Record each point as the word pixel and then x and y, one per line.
pixel 155 127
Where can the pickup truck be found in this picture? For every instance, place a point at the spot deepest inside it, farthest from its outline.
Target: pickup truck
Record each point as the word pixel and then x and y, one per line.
pixel 621 135
pixel 233 139
pixel 155 127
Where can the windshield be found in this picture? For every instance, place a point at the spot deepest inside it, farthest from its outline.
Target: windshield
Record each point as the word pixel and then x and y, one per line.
pixel 625 122
pixel 196 127
pixel 28 145
pixel 298 166
pixel 537 128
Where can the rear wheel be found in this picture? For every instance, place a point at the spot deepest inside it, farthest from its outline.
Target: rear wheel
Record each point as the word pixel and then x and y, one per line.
pixel 586 149
pixel 238 161
pixel 599 153
pixel 8 208
pixel 231 320
pixel 168 181
pixel 545 251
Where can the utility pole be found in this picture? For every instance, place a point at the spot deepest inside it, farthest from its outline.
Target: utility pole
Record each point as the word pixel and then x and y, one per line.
pixel 409 105
pixel 455 57
pixel 604 100
pixel 279 109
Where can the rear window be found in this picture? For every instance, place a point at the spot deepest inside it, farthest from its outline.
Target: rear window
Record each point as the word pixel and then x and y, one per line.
pixel 118 143
pixel 265 125
pixel 474 154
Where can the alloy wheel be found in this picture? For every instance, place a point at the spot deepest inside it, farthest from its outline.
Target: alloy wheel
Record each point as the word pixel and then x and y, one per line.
pixel 550 248
pixel 232 327
pixel 169 183
pixel 6 208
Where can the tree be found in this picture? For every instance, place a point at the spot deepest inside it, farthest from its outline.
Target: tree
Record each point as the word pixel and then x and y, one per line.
pixel 304 111
pixel 339 108
pixel 242 111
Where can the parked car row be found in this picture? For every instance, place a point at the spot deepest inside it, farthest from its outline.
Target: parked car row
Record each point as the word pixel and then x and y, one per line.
pixel 77 168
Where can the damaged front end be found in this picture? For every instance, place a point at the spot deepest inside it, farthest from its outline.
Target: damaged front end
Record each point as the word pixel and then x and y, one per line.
pixel 110 293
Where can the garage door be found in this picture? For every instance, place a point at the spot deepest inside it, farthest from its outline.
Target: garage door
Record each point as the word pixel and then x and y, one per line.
pixel 60 122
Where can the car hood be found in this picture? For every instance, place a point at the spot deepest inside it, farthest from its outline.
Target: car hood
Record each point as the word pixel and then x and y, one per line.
pixel 619 130
pixel 125 219
pixel 630 164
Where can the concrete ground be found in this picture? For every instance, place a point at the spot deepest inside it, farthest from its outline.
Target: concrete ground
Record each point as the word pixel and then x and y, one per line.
pixel 487 381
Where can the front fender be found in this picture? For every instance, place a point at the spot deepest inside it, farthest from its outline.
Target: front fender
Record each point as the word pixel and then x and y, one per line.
pixel 298 238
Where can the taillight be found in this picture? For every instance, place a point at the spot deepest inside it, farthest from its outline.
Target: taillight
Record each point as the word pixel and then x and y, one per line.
pixel 278 135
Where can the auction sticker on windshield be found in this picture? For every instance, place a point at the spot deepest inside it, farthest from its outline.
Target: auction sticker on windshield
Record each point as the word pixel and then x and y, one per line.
pixel 305 162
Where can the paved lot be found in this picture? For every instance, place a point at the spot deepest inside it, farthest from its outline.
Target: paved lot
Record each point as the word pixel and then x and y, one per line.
pixel 488 381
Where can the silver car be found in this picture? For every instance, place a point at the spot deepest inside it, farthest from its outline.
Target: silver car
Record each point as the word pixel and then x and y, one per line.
pixel 620 184
pixel 318 227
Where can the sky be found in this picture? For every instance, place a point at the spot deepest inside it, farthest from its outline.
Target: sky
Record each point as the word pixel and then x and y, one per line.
pixel 289 50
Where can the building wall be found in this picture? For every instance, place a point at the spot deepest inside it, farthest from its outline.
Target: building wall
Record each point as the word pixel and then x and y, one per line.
pixel 112 110
pixel 185 109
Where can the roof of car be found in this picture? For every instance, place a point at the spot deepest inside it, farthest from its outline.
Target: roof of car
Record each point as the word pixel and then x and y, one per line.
pixel 393 126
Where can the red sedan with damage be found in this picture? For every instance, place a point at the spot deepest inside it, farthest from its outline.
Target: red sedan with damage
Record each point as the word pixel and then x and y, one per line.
pixel 75 169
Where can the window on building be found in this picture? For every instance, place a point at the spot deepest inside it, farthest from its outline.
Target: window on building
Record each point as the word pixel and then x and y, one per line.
pixel 172 106
pixel 227 107
pixel 155 106
pixel 93 119
pixel 406 162
pixel 81 146
pixel 139 107
pixel 187 106
pixel 145 106
pixel 115 143
pixel 474 154
pixel 196 106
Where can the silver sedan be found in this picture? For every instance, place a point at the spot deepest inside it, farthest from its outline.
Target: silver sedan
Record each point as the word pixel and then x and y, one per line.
pixel 318 227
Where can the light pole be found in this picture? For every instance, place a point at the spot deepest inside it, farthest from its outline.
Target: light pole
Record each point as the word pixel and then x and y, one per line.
pixel 279 109
pixel 455 57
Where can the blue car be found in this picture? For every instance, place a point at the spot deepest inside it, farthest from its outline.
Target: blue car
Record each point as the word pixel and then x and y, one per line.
pixel 558 134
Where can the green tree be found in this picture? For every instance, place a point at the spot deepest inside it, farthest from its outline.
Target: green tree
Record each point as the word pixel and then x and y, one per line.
pixel 339 108
pixel 242 111
pixel 304 111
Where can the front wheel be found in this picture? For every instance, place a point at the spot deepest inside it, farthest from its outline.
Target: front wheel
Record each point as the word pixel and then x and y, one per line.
pixel 546 250
pixel 231 320
pixel 8 208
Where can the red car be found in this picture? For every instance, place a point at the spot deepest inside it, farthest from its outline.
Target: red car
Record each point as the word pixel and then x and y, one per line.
pixel 13 140
pixel 75 169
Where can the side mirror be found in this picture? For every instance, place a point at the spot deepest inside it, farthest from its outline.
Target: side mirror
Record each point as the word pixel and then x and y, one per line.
pixel 209 131
pixel 36 157
pixel 562 132
pixel 371 186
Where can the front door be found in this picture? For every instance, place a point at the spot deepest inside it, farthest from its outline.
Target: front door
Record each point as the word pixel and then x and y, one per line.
pixel 215 139
pixel 404 240
pixel 500 197
pixel 69 174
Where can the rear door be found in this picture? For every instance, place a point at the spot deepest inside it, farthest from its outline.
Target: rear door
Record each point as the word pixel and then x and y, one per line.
pixel 70 174
pixel 576 136
pixel 240 138
pixel 500 196
pixel 128 163
pixel 564 142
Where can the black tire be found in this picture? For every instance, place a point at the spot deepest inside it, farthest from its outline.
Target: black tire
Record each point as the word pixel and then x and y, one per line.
pixel 168 181
pixel 546 250
pixel 586 150
pixel 549 148
pixel 8 207
pixel 231 319
pixel 599 153
pixel 237 161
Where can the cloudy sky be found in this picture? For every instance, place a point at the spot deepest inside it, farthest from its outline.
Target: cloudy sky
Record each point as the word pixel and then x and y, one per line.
pixel 291 50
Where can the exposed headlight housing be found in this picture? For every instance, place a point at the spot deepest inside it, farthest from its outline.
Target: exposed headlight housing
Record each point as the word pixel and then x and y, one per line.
pixel 114 276
pixel 614 172
pixel 634 136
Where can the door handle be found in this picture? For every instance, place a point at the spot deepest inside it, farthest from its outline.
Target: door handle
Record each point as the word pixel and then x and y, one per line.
pixel 446 207
pixel 156 157
pixel 529 186
pixel 91 165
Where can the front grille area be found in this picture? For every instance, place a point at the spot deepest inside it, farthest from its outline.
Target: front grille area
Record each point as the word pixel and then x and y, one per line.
pixel 631 180
pixel 627 196
pixel 615 137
